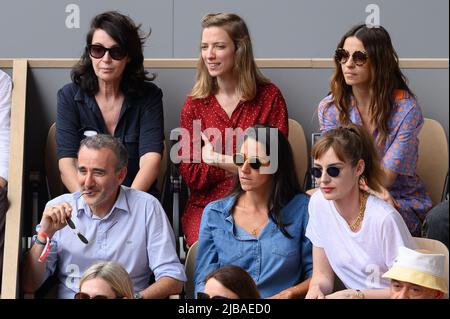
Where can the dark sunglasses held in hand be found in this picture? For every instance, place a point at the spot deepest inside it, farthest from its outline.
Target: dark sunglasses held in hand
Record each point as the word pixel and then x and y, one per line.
pixel 72 225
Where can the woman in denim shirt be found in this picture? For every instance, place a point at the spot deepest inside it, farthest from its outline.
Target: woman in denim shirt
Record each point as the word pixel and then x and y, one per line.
pixel 261 225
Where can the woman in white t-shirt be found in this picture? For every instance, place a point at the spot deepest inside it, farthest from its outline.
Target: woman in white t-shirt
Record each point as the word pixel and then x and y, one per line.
pixel 355 235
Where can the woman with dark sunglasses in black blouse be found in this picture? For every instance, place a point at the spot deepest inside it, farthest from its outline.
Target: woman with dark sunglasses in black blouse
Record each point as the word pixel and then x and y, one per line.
pixel 111 93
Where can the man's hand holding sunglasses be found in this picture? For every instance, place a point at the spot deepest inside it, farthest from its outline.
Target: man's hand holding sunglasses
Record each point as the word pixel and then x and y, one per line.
pixel 55 218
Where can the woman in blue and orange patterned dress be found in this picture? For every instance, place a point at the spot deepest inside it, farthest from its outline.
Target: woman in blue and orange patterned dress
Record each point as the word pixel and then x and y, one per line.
pixel 369 89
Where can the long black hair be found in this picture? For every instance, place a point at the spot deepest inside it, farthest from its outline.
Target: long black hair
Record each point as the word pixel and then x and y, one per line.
pixel 285 184
pixel 124 31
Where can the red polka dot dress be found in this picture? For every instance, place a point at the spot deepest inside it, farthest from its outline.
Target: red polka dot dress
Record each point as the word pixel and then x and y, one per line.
pixel 208 183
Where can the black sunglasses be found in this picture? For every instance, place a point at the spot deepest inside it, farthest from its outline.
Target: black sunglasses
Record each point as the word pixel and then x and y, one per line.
pixel 359 57
pixel 98 51
pixel 82 295
pixel 332 171
pixel 239 159
pixel 202 295
pixel 75 230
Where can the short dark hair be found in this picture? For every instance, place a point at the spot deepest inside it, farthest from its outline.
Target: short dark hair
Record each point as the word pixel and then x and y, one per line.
pixel 237 280
pixel 127 35
pixel 107 141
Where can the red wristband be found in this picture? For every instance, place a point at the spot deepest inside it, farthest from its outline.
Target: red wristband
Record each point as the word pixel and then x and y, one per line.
pixel 46 249
pixel 43 234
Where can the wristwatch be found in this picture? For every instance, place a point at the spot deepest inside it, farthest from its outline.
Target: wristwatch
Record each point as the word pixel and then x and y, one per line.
pixel 138 295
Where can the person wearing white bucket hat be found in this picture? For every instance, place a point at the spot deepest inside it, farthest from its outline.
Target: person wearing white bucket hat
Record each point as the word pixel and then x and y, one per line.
pixel 417 274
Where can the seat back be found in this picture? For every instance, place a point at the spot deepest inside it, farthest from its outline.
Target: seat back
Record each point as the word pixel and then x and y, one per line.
pixel 189 286
pixel 297 140
pixel 436 247
pixel 174 195
pixel 52 175
pixel 432 165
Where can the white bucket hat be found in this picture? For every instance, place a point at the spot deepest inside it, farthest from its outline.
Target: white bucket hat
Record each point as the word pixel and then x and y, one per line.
pixel 426 270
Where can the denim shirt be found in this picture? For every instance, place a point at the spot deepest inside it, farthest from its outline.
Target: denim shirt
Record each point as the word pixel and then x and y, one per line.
pixel 274 261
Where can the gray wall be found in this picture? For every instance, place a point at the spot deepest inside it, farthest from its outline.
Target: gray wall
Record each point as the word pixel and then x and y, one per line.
pixel 279 28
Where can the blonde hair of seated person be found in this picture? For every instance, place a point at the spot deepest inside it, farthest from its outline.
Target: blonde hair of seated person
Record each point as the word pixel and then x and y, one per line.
pixel 245 71
pixel 113 274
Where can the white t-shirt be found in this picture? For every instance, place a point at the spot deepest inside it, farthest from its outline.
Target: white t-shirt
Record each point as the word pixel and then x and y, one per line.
pixel 358 259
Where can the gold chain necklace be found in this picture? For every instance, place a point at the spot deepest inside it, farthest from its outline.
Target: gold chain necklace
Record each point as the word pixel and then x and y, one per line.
pixel 255 230
pixel 362 208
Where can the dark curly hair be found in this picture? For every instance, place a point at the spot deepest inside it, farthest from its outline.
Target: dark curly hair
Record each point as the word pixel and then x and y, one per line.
pixel 125 32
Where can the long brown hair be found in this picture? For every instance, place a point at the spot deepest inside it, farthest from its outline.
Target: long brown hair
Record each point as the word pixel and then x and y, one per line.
pixel 386 77
pixel 352 143
pixel 237 280
pixel 247 74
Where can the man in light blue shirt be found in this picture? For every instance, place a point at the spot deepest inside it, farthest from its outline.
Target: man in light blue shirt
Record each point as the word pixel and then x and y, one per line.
pixel 112 222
